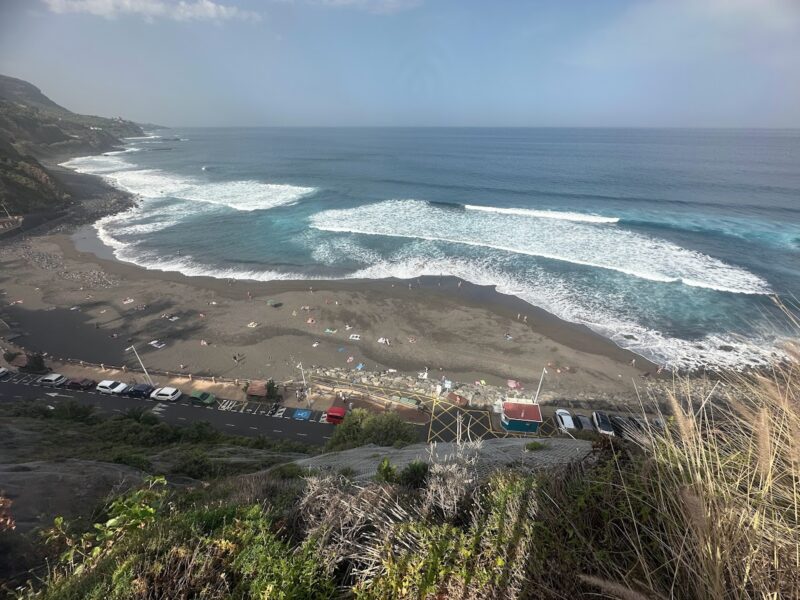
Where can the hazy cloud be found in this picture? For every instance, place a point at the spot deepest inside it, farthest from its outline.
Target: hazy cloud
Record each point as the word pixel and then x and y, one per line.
pixel 374 6
pixel 182 10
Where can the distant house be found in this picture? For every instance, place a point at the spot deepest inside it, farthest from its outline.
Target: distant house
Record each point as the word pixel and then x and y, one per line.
pixel 521 416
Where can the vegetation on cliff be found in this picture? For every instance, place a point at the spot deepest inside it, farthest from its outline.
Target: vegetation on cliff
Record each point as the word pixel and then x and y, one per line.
pixel 32 128
pixel 708 508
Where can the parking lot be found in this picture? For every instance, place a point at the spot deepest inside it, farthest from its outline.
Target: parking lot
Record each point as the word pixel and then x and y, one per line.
pixel 230 416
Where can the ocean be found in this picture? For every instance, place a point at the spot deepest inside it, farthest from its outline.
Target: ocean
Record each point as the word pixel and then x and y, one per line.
pixel 672 243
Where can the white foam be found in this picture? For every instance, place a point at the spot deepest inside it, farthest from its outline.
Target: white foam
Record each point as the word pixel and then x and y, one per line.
pixel 545 214
pixel 246 195
pixel 559 297
pixel 585 244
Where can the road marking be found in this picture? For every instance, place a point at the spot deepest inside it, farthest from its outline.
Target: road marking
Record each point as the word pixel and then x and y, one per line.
pixel 326 437
pixel 230 425
pixel 277 431
pixel 181 418
pixel 254 428
pixel 303 434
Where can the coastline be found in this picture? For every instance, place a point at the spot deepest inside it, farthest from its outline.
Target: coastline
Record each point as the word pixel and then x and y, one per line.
pixel 456 331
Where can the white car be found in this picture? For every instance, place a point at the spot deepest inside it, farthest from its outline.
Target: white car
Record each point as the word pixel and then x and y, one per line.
pixel 111 387
pixel 4 372
pixel 564 420
pixel 166 394
pixel 52 380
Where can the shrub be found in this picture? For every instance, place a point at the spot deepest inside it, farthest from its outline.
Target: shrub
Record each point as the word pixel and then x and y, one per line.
pixel 288 471
pixel 534 446
pixel 360 428
pixel 132 459
pixel 386 473
pixel 414 475
pixel 195 463
pixel 9 355
pixel 35 364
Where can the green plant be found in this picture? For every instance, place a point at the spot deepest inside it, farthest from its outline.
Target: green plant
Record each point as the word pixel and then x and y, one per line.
pixel 361 427
pixel 534 446
pixel 132 459
pixel 195 463
pixel 35 364
pixel 386 472
pixel 414 475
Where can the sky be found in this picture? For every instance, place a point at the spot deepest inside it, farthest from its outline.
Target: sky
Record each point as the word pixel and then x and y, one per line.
pixel 584 63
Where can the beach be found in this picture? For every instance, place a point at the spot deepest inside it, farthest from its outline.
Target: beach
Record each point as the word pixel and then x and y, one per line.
pixel 68 297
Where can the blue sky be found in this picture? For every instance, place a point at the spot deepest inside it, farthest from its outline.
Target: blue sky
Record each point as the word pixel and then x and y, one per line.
pixel 693 63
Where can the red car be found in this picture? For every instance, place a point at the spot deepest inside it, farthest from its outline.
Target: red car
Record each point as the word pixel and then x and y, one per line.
pixel 81 384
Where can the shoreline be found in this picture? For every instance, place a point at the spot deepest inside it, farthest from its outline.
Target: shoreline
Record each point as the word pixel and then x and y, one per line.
pixel 73 304
pixel 458 330
pixel 574 335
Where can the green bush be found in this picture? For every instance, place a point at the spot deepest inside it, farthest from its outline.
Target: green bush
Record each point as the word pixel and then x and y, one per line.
pixel 386 473
pixel 534 446
pixel 360 428
pixel 414 475
pixel 195 463
pixel 288 471
pixel 133 459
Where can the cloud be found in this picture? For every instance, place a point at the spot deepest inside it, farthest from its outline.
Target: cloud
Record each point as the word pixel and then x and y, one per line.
pixel 373 6
pixel 182 10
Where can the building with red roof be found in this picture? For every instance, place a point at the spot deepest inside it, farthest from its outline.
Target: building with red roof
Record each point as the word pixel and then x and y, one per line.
pixel 521 415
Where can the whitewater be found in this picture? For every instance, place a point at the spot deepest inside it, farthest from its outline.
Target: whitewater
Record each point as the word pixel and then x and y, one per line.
pixel 675 265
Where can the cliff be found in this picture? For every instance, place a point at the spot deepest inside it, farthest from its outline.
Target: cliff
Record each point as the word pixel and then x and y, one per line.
pixel 34 128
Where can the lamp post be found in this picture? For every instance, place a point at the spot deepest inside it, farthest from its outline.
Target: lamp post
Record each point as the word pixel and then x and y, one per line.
pixel 150 381
pixel 538 389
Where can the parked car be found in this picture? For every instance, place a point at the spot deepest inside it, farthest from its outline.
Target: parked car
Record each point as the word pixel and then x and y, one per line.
pixel 583 422
pixel 199 398
pixel 335 414
pixel 166 394
pixel 81 383
pixel 140 390
pixel 52 380
pixel 4 372
pixel 109 386
pixel 602 423
pixel 622 426
pixel 564 420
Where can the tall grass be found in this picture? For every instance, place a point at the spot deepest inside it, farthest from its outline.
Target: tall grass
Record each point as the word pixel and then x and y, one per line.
pixel 706 509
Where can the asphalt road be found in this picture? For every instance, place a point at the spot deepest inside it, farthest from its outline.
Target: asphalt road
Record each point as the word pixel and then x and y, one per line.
pixel 241 418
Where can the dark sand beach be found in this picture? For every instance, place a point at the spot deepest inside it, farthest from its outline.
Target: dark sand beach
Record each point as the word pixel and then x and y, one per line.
pixel 69 297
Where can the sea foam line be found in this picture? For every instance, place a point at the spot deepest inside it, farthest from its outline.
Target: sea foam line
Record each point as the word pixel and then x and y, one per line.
pixel 544 214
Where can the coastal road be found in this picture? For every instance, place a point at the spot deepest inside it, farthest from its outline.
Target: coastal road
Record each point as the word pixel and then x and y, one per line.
pixel 311 429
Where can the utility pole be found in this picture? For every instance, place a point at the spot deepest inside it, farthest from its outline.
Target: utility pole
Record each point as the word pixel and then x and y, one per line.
pixel 150 381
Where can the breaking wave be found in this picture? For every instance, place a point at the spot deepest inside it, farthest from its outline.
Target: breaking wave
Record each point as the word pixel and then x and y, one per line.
pixel 575 242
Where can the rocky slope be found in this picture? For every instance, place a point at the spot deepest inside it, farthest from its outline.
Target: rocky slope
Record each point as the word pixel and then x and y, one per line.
pixel 34 128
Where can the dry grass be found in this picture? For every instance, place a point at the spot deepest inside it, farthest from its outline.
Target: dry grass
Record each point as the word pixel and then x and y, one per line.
pixel 725 481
